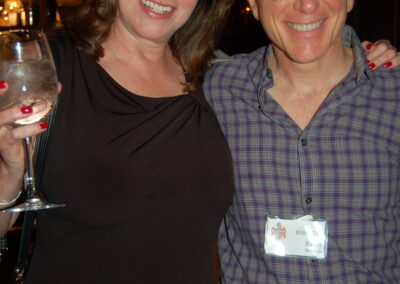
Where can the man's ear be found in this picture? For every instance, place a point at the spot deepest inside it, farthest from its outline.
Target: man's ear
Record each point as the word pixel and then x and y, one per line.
pixel 254 8
pixel 350 5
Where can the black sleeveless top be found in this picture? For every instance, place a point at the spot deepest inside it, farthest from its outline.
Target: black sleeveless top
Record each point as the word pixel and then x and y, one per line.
pixel 146 182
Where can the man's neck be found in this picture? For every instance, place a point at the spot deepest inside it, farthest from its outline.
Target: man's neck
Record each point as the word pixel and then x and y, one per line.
pixel 326 71
pixel 301 88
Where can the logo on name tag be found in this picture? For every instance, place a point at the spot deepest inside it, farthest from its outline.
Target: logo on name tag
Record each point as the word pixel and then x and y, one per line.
pixel 278 232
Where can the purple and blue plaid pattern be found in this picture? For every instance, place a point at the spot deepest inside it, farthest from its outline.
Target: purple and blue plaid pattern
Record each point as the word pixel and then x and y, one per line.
pixel 344 167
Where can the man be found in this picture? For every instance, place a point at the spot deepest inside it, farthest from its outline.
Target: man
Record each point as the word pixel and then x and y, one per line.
pixel 315 138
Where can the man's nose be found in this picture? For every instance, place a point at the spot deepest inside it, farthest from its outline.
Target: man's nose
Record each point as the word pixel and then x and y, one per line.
pixel 306 6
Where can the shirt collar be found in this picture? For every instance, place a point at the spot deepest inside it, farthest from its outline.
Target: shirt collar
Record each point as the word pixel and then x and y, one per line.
pixel 362 72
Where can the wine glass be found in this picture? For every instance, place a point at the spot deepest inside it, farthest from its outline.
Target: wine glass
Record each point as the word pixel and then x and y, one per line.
pixel 26 64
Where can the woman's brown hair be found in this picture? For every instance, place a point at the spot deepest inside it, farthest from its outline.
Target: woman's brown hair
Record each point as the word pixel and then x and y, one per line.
pixel 193 44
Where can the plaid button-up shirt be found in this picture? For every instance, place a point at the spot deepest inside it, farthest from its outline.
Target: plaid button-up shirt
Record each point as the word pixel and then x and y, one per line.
pixel 344 167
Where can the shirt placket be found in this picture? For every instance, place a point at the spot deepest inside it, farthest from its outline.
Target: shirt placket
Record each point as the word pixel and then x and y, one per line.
pixel 269 107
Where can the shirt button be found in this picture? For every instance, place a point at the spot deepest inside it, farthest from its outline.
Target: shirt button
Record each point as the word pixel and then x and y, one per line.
pixel 308 200
pixel 314 261
pixel 259 107
pixel 269 73
pixel 304 142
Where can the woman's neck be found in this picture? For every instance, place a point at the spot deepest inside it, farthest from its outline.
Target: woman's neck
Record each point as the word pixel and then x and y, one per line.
pixel 125 45
pixel 143 67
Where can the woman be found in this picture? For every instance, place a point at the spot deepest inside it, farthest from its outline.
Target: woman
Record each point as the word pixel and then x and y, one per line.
pixel 136 152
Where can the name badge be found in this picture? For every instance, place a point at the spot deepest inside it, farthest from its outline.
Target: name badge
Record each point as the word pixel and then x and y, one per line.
pixel 302 237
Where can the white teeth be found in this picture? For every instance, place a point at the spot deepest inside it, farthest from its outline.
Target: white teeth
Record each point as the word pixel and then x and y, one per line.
pixel 305 27
pixel 156 8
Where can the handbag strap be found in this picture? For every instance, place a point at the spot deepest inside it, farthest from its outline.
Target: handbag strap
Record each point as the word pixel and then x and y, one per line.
pixel 39 158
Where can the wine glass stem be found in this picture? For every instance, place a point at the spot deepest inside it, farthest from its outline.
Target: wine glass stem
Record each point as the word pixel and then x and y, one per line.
pixel 30 180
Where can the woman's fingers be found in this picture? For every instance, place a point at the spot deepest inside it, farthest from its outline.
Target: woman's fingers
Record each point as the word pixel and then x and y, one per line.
pixel 28 130
pixel 381 53
pixel 3 87
pixel 9 136
pixel 14 113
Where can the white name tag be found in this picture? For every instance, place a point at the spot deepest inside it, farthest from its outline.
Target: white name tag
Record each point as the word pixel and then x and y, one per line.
pixel 303 237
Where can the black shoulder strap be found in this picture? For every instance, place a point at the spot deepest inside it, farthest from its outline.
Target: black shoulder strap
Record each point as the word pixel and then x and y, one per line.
pixel 29 216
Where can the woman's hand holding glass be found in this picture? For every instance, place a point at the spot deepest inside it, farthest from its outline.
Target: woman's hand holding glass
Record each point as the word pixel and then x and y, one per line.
pixel 27 67
pixel 12 153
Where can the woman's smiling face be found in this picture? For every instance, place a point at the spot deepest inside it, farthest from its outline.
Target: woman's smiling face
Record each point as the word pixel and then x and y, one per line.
pixel 153 20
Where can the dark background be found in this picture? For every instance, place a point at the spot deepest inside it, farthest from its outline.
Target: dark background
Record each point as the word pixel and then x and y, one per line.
pixel 373 20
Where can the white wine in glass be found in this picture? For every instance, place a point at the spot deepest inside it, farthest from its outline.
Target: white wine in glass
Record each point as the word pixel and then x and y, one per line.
pixel 26 64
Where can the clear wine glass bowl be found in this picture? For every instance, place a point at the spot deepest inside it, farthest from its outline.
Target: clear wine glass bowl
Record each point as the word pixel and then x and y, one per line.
pixel 26 64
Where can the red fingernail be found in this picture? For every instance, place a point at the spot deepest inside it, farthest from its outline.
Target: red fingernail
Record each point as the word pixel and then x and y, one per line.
pixel 43 125
pixel 369 46
pixel 3 84
pixel 26 109
pixel 371 66
pixel 388 64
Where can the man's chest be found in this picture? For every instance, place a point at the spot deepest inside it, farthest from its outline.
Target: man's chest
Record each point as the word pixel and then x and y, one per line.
pixel 348 149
